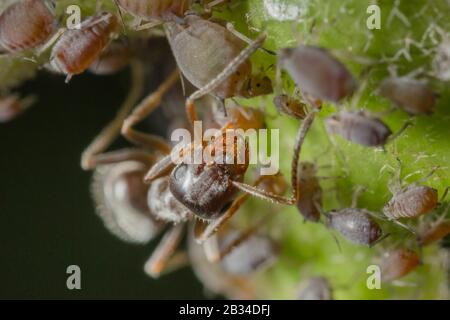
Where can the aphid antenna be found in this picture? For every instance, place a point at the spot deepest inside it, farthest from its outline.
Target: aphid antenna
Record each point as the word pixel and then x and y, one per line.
pixel 357 192
pixel 224 74
pixel 50 42
pixel 120 13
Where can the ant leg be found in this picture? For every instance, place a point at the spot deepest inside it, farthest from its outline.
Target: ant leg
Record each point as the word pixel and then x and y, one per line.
pixel 112 130
pixel 161 256
pixel 122 155
pixel 215 225
pixel 226 73
pixel 243 37
pixel 160 169
pixel 149 103
pixel 206 231
pixel 215 254
pixel 301 135
pixel 268 196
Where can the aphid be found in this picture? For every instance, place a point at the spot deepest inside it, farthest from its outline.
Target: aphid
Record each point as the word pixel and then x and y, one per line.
pixel 291 106
pixel 356 225
pixel 207 51
pixel 252 254
pixel 316 72
pixel 77 49
pixel 116 57
pixel 316 288
pixel 360 127
pixel 397 263
pixel 413 96
pixel 411 201
pixel 163 10
pixel 25 25
pixel 241 117
pixel 12 106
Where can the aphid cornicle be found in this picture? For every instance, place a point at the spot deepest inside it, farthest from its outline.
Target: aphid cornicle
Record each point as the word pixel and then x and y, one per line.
pixel 76 49
pixel 413 96
pixel 25 25
pixel 316 72
pixel 397 263
pixel 355 225
pixel 316 288
pixel 359 127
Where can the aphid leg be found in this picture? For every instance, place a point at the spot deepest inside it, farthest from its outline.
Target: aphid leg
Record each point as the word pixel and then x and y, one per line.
pixel 444 195
pixel 50 42
pixel 427 177
pixel 161 256
pixel 384 236
pixel 400 132
pixel 301 135
pixel 119 10
pixel 141 111
pixel 112 130
pixel 244 38
pixel 227 72
pixel 356 194
pixel 148 25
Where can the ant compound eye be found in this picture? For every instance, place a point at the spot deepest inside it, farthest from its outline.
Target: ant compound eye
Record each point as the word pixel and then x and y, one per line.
pixel 180 172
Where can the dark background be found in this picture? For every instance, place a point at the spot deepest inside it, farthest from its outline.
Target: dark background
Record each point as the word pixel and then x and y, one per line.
pixel 47 218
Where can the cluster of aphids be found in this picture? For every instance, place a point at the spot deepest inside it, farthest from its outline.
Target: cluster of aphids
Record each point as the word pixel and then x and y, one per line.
pixel 139 190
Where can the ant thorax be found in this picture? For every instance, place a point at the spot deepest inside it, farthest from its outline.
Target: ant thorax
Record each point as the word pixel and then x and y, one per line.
pixel 121 198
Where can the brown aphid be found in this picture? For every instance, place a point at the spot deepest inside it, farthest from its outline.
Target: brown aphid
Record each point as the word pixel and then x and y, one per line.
pixel 413 96
pixel 25 25
pixel 309 192
pixel 203 49
pixel 317 72
pixel 316 288
pixel 356 225
pixel 434 233
pixel 411 202
pixel 116 57
pixel 77 49
pixel 398 263
pixel 12 106
pixel 244 118
pixel 359 127
pixel 163 10
pixel 291 106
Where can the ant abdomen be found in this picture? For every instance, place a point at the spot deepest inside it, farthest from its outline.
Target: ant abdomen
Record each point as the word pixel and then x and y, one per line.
pixel 121 198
